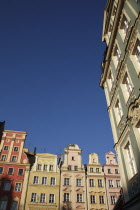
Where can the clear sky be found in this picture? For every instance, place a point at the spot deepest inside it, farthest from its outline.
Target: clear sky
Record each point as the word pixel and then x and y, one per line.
pixel 50 58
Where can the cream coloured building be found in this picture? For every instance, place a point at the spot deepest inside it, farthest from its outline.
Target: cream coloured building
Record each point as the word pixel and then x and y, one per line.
pixel 96 192
pixel 73 184
pixel 43 186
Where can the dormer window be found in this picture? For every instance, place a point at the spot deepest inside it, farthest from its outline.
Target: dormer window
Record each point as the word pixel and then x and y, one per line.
pixel 5 148
pixel 15 149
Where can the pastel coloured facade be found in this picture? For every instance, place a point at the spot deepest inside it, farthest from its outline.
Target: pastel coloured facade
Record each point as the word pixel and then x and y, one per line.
pixel 14 170
pixel 44 182
pixel 112 180
pixel 73 180
pixel 96 192
pixel 121 82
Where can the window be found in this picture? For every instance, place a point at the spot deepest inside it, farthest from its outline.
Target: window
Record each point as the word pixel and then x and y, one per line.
pixel 3 205
pixel 20 172
pixel 91 169
pixel 76 168
pixel 3 157
pixel 79 198
pixel 39 167
pixel 51 167
pixel 66 197
pixel 45 167
pixel 117 55
pixel 15 149
pixel 118 183
pixel 114 10
pixel 44 180
pixel 10 171
pixel 124 25
pixel 110 80
pixel 112 200
pixel 14 158
pixel 1 170
pixel 100 183
pixel 33 197
pixel 14 205
pixel 52 181
pixel 7 186
pixel 136 51
pixel 116 171
pixel 97 170
pixel 51 198
pixel 5 148
pixel 35 180
pixel 69 168
pixel 92 199
pixel 118 110
pixel 110 183
pixel 66 181
pixel 91 182
pixel 79 182
pixel 101 199
pixel 72 158
pixel 109 171
pixel 42 198
pixel 128 86
pixel 131 162
pixel 18 187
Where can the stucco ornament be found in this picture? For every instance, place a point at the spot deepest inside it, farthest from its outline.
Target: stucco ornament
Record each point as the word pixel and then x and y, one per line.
pixel 134 112
pixel 24 161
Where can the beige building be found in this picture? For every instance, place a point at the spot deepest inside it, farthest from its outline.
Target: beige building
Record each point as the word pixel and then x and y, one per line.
pixel 43 186
pixel 73 184
pixel 96 193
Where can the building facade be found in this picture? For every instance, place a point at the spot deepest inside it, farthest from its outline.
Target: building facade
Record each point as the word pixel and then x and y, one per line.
pixel 73 180
pixel 121 82
pixel 112 180
pixel 14 170
pixel 44 182
pixel 96 191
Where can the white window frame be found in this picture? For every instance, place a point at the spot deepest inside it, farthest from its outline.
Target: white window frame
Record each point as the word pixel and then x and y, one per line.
pixel 12 171
pixel 66 197
pixel 3 157
pixel 39 167
pixel 44 180
pixel 101 199
pixel 113 199
pixel 118 183
pixel 79 198
pixel 66 181
pixel 15 149
pixel 100 183
pixel 42 198
pixel 36 180
pixel 14 158
pixel 33 197
pixel 22 172
pixel 6 148
pixel 110 183
pixel 91 170
pixel 51 167
pixel 51 198
pixel 18 186
pixel 45 167
pixel 92 199
pixel 53 181
pixel 78 182
pixel 91 182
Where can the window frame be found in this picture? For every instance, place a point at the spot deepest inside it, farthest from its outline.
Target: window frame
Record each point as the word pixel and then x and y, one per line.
pixel 18 187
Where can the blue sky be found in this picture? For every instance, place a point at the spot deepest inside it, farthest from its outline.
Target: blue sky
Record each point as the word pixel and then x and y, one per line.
pixel 51 53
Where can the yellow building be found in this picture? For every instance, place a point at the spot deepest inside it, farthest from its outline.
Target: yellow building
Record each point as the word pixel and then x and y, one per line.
pixel 43 186
pixel 96 193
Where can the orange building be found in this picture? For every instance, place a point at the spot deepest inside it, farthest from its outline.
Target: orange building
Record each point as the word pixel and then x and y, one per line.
pixel 14 170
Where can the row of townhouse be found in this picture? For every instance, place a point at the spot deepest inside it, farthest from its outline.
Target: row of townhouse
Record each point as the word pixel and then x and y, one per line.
pixel 40 181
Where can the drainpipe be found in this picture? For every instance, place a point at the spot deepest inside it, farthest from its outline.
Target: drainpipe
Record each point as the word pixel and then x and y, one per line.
pixel 106 192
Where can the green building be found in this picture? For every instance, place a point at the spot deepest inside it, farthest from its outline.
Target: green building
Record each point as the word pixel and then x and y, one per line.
pixel 121 82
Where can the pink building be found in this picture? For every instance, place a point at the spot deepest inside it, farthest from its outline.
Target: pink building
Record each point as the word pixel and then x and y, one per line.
pixel 112 179
pixel 73 184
